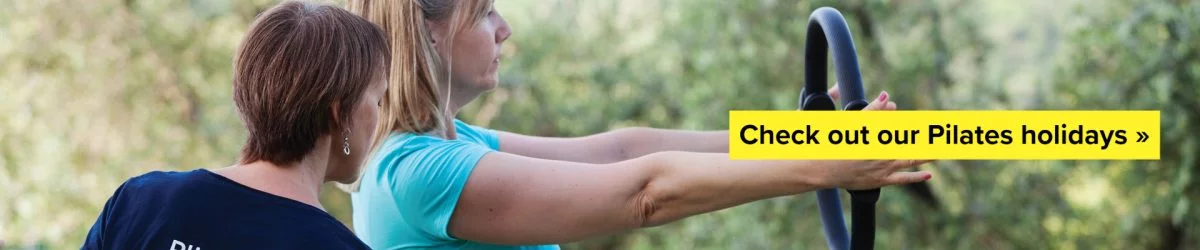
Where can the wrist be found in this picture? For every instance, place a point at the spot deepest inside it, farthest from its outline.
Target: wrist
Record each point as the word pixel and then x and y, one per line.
pixel 818 174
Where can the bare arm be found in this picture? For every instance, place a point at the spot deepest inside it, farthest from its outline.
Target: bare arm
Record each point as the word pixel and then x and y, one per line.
pixel 516 200
pixel 512 199
pixel 616 145
pixel 628 143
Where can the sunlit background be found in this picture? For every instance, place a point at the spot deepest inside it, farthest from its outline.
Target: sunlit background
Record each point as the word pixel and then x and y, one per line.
pixel 95 92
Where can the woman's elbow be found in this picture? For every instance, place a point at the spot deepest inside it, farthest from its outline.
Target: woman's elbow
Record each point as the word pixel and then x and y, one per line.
pixel 649 206
pixel 646 211
pixel 631 142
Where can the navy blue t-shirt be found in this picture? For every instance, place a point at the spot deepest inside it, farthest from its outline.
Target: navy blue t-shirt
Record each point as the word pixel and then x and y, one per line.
pixel 200 210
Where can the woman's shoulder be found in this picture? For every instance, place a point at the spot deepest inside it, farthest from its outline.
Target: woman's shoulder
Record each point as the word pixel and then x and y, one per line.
pixel 161 187
pixel 405 142
pixel 158 180
pixel 405 158
pixel 402 145
pixel 477 134
pixel 198 207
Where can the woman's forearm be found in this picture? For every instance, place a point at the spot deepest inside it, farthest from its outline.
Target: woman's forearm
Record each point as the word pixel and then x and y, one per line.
pixel 685 184
pixel 636 142
pixel 616 145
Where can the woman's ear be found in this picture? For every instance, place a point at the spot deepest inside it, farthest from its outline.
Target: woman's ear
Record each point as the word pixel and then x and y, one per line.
pixel 436 32
pixel 335 113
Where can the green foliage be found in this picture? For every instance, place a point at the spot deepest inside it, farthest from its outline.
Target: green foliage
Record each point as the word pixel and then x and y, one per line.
pixel 99 91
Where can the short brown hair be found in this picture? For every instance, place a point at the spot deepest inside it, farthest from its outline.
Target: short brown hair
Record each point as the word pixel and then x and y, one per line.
pixel 296 62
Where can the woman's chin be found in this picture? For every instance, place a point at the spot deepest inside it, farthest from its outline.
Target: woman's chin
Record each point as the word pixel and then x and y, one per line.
pixel 488 83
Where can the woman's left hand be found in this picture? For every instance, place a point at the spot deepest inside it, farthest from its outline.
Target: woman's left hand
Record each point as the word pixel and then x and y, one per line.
pixel 834 94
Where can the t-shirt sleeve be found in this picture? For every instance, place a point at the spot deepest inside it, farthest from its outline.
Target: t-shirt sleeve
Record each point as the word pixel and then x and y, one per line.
pixel 429 182
pixel 96 235
pixel 484 135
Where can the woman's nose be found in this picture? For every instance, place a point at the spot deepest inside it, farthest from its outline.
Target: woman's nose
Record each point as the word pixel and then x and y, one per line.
pixel 503 32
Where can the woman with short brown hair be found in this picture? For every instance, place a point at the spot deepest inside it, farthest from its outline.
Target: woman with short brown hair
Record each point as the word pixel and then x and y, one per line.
pixel 307 82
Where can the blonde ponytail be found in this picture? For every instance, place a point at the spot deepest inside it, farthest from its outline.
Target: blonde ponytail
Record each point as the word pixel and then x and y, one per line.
pixel 412 103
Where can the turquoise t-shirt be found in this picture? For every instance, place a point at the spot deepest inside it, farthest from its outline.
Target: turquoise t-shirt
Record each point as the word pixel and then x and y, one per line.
pixel 411 185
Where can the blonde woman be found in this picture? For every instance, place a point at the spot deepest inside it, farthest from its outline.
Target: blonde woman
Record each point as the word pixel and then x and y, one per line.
pixel 437 182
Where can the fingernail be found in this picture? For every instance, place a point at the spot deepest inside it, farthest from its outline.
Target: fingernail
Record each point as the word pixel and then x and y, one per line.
pixel 927 176
pixel 883 96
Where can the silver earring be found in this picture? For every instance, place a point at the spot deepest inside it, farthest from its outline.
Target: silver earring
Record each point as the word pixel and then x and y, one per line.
pixel 346 143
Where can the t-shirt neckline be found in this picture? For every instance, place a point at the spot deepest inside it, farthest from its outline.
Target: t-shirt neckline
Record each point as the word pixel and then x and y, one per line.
pixel 285 200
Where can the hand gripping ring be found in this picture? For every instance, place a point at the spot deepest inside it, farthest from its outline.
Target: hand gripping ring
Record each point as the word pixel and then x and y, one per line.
pixel 828 31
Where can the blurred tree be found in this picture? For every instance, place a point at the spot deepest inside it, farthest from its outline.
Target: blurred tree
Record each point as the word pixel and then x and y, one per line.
pixel 96 92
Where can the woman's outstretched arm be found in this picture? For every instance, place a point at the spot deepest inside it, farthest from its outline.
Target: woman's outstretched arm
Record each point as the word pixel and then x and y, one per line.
pixel 628 143
pixel 616 145
pixel 517 200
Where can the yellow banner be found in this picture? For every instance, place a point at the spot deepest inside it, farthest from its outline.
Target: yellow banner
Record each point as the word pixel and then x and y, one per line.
pixel 944 135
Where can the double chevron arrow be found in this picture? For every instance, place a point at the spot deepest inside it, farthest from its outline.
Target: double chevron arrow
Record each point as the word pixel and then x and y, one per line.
pixel 1142 136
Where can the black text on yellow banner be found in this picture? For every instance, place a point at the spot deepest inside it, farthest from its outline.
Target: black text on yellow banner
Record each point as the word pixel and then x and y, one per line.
pixel 962 135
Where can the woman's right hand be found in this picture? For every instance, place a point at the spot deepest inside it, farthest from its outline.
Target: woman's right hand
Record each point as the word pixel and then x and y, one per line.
pixel 856 175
